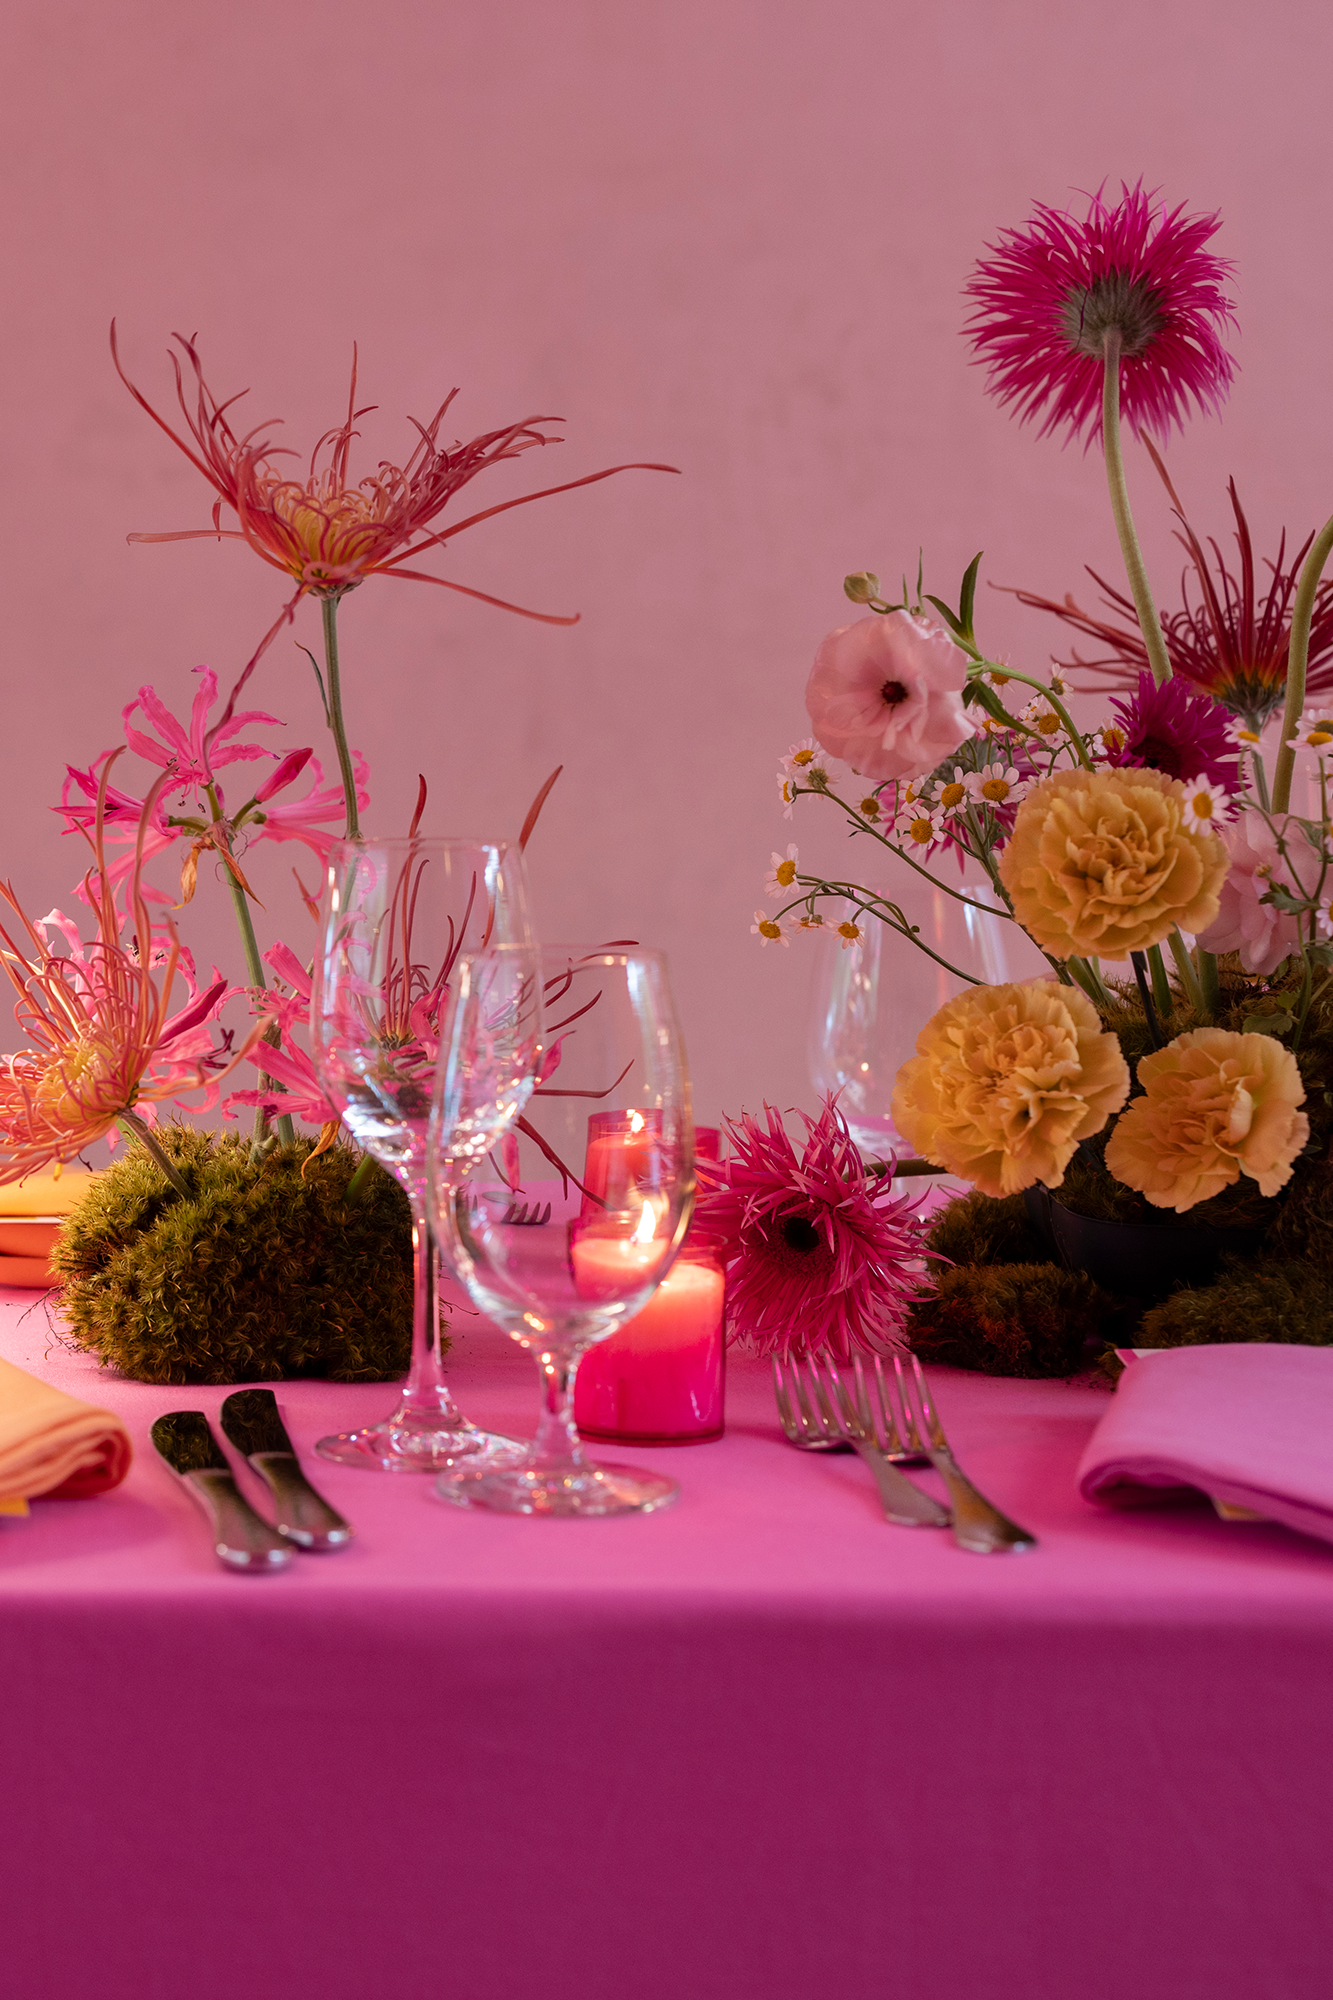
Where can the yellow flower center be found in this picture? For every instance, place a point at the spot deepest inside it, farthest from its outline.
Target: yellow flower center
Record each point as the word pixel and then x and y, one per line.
pixel 922 832
pixel 803 757
pixel 1114 739
pixel 996 789
pixel 76 1084
pixel 870 808
pixel 1318 737
pixel 999 680
pixel 1202 806
pixel 785 874
pixel 849 930
pixel 952 795
pixel 766 929
pixel 1048 725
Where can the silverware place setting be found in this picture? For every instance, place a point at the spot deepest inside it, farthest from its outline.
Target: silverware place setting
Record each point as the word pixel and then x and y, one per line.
pixel 882 1408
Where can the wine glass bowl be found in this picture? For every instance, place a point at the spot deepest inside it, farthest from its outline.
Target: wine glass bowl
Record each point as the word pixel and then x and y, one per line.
pixel 396 917
pixel 603 1154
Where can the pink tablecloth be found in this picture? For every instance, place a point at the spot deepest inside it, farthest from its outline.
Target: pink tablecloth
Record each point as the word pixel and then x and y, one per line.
pixel 759 1745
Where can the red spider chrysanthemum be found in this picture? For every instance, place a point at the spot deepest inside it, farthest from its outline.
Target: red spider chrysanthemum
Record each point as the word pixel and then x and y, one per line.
pixel 1047 296
pixel 821 1257
pixel 1231 643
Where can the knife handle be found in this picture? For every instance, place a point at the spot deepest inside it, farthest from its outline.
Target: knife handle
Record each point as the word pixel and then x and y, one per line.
pixel 240 1539
pixel 301 1514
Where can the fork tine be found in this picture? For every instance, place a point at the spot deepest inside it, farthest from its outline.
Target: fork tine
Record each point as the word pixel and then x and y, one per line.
pixel 881 1416
pixel 820 1394
pixel 786 1415
pixel 933 1432
pixel 902 1407
pixel 810 1422
pixel 846 1419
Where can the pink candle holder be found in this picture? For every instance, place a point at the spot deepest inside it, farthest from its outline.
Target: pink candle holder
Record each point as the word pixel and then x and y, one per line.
pixel 661 1378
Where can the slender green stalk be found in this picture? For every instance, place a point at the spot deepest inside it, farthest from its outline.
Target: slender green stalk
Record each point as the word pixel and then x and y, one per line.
pixel 1189 977
pixel 131 1124
pixel 1161 985
pixel 254 965
pixel 1208 986
pixel 1298 655
pixel 329 610
pixel 360 1180
pixel 1136 959
pixel 1149 622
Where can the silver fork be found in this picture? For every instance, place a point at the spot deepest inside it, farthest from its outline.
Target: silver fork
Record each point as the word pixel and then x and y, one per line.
pixel 810 1415
pixel 976 1524
pixel 520 1216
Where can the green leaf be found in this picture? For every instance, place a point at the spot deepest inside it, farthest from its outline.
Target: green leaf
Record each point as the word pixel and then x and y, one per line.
pixel 968 594
pixel 1276 1025
pixel 950 620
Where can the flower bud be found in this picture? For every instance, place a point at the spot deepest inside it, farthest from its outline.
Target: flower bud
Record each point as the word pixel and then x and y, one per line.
pixel 861 586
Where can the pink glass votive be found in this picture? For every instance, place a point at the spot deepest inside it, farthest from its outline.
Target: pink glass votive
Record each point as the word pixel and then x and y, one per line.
pixel 661 1378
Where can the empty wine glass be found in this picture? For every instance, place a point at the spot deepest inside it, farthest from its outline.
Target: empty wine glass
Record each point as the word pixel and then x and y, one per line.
pixel 396 916
pixel 554 1242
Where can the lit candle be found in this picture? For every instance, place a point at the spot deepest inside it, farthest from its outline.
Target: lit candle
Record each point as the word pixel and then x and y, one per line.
pixel 658 1378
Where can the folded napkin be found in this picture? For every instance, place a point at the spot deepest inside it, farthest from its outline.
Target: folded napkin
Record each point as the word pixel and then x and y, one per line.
pixel 1251 1426
pixel 51 1443
pixel 27 1232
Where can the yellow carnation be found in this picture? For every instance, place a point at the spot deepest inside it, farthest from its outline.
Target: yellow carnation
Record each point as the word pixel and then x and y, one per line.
pixel 1105 862
pixel 1216 1105
pixel 1006 1081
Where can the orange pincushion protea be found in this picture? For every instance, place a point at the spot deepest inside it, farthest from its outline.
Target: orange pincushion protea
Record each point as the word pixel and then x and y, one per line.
pixel 102 1039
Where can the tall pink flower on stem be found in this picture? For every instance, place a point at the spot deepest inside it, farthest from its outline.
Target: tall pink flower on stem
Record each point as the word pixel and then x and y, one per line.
pixel 105 1047
pixel 821 1257
pixel 1073 317
pixel 327 534
pixel 295 1089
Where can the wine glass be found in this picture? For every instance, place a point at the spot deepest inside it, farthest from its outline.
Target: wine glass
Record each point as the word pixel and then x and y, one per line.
pixel 396 916
pixel 563 1233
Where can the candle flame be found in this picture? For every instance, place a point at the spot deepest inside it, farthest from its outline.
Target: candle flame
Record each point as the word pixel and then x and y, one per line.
pixel 647 1228
pixel 637 1121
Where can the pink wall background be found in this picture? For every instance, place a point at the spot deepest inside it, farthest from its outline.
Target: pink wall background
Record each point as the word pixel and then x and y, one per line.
pixel 729 236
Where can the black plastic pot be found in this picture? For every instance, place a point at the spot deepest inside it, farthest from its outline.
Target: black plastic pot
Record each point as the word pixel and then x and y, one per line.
pixel 1142 1260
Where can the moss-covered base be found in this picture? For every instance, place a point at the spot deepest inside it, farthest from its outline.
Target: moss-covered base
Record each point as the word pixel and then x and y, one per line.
pixel 261 1275
pixel 1002 1306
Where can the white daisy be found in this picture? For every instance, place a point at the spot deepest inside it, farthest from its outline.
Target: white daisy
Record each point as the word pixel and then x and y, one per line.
pixel 1206 805
pixel 781 875
pixel 996 785
pixel 768 930
pixel 850 934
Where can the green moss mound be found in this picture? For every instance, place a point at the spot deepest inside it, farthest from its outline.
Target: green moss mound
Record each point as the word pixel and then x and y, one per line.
pixel 978 1229
pixel 261 1275
pixel 1251 1302
pixel 1032 1320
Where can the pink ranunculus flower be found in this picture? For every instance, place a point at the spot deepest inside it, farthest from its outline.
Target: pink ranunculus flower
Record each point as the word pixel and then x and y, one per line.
pixel 886 695
pixel 1263 935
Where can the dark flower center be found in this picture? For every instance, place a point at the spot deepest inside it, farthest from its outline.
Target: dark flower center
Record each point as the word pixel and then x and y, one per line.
pixel 1160 754
pixel 892 693
pixel 1116 299
pixel 799 1233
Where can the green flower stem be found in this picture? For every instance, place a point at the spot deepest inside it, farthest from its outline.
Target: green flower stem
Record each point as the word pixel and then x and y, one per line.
pixel 1189 977
pixel 132 1125
pixel 1145 995
pixel 1161 985
pixel 1087 974
pixel 1047 694
pixel 864 825
pixel 870 906
pixel 1298 655
pixel 1208 986
pixel 360 1180
pixel 254 965
pixel 1149 622
pixel 329 611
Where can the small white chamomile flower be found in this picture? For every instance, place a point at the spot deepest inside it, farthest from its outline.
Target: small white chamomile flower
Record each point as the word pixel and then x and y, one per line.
pixel 1206 805
pixel 781 875
pixel 768 930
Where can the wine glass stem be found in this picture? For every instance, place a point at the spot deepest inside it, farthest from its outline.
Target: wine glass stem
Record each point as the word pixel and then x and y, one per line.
pixel 425 1392
pixel 556 1445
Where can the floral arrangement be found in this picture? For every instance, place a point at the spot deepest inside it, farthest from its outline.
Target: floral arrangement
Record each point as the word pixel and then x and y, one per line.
pixel 1177 1060
pixel 111 1039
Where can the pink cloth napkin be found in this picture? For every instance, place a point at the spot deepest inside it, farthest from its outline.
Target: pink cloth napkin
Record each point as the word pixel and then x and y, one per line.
pixel 1249 1425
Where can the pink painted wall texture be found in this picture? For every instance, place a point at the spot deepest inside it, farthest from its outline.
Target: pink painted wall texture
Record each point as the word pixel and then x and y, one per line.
pixel 728 236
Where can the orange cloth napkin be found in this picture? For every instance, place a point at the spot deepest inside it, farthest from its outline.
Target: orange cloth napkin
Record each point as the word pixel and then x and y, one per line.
pixel 51 1443
pixel 24 1244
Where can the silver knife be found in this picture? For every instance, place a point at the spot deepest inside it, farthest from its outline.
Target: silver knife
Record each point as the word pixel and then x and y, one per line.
pixel 240 1539
pixel 252 1424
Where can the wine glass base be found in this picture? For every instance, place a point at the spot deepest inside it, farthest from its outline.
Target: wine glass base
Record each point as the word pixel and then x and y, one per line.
pixel 400 1444
pixel 587 1490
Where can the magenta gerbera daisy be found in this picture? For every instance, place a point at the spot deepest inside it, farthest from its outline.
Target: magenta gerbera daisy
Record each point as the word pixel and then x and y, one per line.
pixel 1169 729
pixel 821 1257
pixel 1049 298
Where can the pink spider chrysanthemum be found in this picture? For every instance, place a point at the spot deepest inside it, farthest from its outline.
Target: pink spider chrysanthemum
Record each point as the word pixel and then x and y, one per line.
pixel 821 1257
pixel 104 1048
pixel 1047 296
